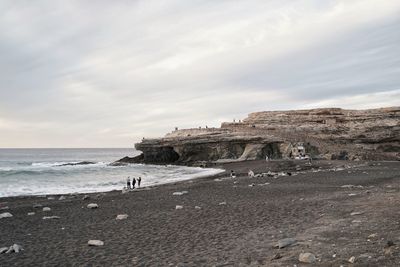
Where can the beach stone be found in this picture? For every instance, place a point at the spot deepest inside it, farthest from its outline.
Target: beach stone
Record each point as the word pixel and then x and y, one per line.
pixel 51 198
pixel 46 209
pixel 3 250
pixel 92 206
pixel 197 207
pixel 31 213
pixel 36 206
pixel 95 243
pixel 50 217
pixel 85 197
pixel 177 194
pixel 307 257
pixel 222 203
pixel 62 198
pixel 4 208
pixel 178 207
pixel 352 259
pixel 356 213
pixel 5 215
pixel 122 217
pixel 285 242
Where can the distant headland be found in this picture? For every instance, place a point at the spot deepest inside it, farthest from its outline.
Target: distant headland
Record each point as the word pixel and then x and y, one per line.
pixel 325 133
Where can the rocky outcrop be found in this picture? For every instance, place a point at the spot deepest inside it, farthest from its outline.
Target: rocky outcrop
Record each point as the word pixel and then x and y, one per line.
pixel 330 133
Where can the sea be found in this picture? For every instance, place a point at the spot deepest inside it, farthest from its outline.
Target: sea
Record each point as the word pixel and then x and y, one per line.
pixel 25 172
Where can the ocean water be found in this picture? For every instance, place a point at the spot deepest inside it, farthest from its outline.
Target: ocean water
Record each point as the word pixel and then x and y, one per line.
pixel 51 171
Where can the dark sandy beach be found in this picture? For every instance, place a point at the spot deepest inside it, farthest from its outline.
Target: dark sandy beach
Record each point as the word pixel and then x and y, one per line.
pixel 238 223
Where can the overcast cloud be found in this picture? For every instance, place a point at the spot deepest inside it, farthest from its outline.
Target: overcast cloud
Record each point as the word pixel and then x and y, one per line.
pixel 107 73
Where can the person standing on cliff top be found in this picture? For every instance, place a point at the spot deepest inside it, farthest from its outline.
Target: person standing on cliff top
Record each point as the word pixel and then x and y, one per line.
pixel 138 181
pixel 128 183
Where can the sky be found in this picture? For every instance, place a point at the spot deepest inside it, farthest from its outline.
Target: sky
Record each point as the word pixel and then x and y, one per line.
pixel 107 73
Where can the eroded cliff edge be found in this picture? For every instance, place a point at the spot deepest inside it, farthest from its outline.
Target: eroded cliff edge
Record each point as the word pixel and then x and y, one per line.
pixel 329 133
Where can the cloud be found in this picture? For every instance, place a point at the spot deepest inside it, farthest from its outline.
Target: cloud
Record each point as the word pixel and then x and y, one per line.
pixel 102 74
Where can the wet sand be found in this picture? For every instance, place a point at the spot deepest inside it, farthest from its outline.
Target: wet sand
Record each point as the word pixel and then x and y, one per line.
pixel 236 225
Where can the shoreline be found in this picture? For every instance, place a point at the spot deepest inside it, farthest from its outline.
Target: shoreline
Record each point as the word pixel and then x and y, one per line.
pixel 230 222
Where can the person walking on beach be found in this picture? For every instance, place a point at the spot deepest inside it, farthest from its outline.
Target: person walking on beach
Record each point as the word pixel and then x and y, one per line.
pixel 138 181
pixel 128 183
pixel 133 183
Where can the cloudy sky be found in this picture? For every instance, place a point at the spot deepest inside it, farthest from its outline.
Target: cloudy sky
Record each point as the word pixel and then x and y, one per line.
pixel 107 73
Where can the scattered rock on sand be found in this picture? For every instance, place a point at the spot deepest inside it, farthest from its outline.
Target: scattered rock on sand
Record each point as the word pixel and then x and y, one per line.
pixel 5 215
pixel 4 208
pixel 62 198
pixel 3 250
pixel 50 217
pixel 51 198
pixel 307 257
pixel 36 206
pixel 285 242
pixel 46 209
pixel 352 259
pixel 222 203
pixel 31 213
pixel 122 217
pixel 197 207
pixel 178 207
pixel 95 243
pixel 92 206
pixel 356 213
pixel 85 197
pixel 180 193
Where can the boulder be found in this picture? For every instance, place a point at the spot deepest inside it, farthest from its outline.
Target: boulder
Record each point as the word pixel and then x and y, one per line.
pixel 14 248
pixel 178 207
pixel 95 243
pixel 5 215
pixel 92 206
pixel 307 257
pixel 46 209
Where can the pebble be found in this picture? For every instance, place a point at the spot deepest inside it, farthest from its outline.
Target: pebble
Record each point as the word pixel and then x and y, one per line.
pixel 285 242
pixel 5 215
pixel 31 213
pixel 352 259
pixel 46 209
pixel 36 206
pixel 222 203
pixel 92 206
pixel 4 208
pixel 307 257
pixel 62 198
pixel 85 197
pixel 178 207
pixel 197 207
pixel 356 213
pixel 122 217
pixel 51 198
pixel 50 217
pixel 3 250
pixel 95 243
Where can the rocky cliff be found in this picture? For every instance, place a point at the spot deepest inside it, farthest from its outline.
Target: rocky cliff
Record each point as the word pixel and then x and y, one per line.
pixel 329 133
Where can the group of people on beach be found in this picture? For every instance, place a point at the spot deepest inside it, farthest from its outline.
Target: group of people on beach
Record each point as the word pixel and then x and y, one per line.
pixel 134 180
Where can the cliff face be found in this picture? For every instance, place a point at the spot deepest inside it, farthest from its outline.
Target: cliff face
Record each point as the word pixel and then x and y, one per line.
pixel 329 133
